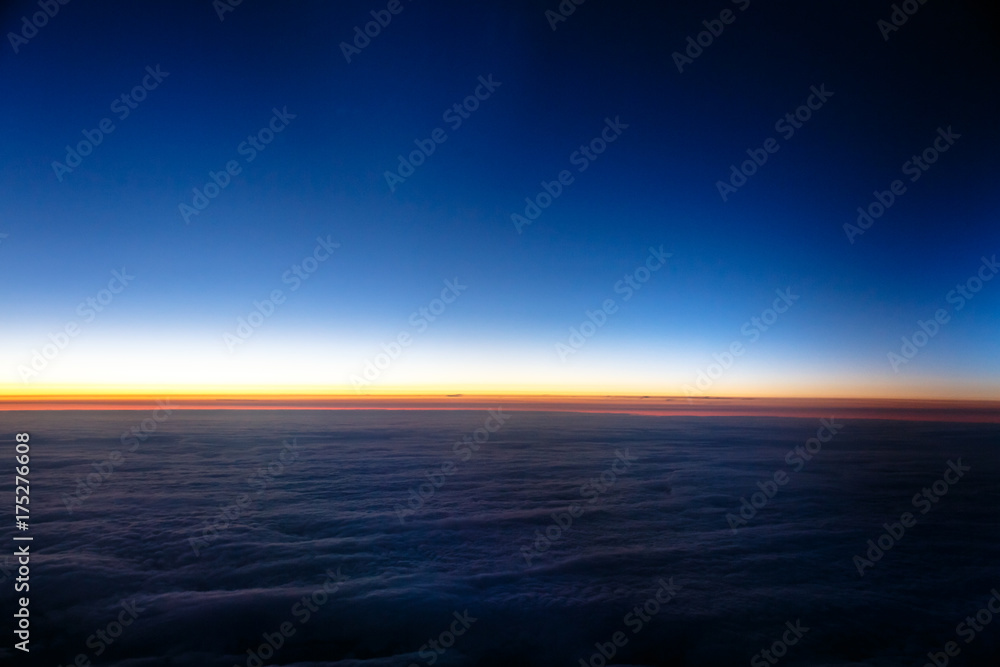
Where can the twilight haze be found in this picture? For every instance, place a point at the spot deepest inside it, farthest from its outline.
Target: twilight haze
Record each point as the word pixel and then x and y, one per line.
pixel 217 198
pixel 539 333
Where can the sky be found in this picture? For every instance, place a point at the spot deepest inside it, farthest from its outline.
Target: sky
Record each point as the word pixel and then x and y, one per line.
pixel 640 272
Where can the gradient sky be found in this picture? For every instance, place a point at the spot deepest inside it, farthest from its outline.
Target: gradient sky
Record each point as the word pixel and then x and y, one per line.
pixel 324 176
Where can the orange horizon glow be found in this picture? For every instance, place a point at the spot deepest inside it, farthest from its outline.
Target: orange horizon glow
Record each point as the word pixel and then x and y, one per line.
pixel 10 391
pixel 308 398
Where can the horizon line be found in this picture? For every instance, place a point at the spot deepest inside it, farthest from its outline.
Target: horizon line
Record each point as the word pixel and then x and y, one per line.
pixel 943 410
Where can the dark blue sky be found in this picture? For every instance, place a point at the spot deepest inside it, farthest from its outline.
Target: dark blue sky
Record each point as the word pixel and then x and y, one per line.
pixel 656 185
